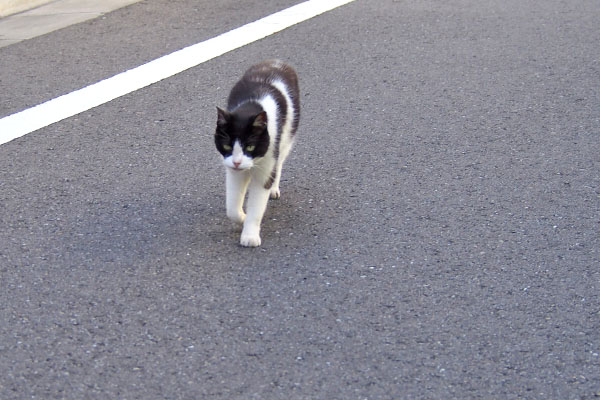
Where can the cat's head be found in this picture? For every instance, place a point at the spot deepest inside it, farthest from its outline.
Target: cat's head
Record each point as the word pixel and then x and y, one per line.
pixel 241 136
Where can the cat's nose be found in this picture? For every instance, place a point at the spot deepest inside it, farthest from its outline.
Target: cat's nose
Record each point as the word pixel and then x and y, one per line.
pixel 236 164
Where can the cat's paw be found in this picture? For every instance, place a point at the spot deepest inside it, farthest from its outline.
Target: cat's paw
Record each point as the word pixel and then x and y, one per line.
pixel 275 193
pixel 250 240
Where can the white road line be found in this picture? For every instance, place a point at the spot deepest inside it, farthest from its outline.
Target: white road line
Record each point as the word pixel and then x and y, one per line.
pixel 32 119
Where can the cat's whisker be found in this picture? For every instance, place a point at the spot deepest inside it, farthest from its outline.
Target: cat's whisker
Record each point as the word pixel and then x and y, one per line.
pixel 261 168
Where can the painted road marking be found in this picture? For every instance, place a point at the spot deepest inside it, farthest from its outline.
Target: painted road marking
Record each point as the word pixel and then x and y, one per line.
pixel 68 105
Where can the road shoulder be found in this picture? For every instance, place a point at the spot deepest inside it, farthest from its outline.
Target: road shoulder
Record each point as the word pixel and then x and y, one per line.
pixel 52 16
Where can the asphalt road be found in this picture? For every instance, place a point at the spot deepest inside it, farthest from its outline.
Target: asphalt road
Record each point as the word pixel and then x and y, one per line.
pixel 437 235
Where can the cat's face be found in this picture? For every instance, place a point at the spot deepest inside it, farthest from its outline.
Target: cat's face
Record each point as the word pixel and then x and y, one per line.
pixel 241 138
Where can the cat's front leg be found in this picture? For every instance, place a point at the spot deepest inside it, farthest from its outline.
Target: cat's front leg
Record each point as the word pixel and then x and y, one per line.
pixel 236 183
pixel 258 198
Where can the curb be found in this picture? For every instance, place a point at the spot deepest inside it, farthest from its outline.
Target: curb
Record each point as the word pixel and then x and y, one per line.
pixel 10 7
pixel 38 17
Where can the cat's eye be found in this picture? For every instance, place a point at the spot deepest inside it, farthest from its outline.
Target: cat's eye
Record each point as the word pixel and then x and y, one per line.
pixel 227 147
pixel 250 148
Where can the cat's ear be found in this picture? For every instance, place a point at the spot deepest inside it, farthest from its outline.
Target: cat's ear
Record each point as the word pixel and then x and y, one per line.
pixel 260 121
pixel 222 117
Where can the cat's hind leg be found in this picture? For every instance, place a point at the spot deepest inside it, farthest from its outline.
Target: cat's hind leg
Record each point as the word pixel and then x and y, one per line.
pixel 236 184
pixel 274 192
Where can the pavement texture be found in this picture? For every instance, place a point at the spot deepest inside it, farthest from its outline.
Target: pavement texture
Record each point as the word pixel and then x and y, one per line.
pixel 437 235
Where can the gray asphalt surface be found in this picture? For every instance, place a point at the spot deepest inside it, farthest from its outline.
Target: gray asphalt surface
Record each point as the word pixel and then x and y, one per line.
pixel 437 235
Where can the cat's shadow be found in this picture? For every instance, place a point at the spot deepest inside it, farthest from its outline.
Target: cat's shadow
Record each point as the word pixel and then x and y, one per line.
pixel 132 230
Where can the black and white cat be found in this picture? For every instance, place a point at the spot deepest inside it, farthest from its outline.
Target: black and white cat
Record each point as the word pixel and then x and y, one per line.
pixel 255 135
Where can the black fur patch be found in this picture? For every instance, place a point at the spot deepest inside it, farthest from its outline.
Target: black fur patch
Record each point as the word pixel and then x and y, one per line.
pixel 240 126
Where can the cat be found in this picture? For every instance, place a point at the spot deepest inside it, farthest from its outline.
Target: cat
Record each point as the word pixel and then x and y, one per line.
pixel 255 135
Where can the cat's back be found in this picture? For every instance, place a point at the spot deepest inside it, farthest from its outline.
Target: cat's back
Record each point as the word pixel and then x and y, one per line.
pixel 270 71
pixel 267 77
